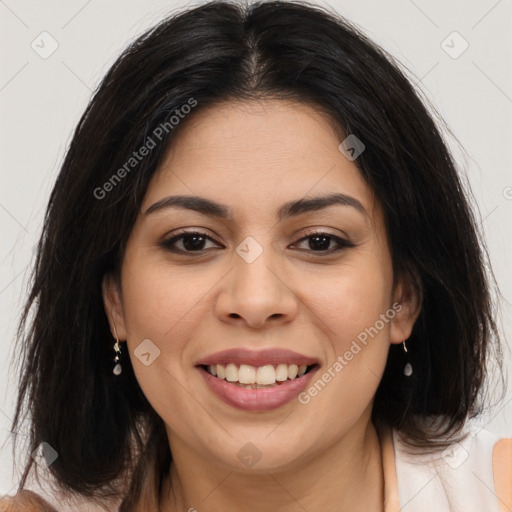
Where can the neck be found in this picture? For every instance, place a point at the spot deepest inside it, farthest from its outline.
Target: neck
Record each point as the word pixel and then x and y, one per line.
pixel 346 476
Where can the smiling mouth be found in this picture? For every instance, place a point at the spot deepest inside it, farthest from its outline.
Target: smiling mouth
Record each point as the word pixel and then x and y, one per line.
pixel 257 377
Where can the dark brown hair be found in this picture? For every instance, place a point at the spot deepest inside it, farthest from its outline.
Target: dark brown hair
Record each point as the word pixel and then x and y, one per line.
pixel 102 426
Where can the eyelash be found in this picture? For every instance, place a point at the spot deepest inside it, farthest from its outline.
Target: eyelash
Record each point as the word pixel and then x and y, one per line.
pixel 169 244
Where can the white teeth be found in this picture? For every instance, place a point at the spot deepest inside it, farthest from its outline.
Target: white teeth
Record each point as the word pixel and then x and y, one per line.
pixel 231 373
pixel 261 375
pixel 266 375
pixel 282 372
pixel 293 370
pixel 247 374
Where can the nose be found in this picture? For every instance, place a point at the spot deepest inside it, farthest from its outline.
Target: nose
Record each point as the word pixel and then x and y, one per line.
pixel 255 294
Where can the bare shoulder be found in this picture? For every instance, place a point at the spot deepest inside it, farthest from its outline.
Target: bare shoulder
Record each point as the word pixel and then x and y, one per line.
pixel 31 501
pixel 25 501
pixel 502 470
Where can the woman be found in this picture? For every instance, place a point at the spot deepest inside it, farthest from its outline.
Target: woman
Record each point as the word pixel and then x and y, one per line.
pixel 260 285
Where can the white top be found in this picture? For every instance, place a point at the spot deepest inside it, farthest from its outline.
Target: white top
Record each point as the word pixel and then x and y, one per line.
pixel 457 479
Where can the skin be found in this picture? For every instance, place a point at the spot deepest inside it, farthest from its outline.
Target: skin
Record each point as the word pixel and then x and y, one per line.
pixel 253 157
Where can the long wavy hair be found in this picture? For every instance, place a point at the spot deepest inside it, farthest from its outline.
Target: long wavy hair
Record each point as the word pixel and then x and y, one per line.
pixel 110 441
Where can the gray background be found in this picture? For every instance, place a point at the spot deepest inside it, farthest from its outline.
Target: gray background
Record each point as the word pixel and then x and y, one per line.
pixel 41 100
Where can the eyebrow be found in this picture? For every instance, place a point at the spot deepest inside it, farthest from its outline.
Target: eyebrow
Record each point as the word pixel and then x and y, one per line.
pixel 290 209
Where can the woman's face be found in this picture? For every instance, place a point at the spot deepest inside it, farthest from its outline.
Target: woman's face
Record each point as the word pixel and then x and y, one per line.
pixel 252 282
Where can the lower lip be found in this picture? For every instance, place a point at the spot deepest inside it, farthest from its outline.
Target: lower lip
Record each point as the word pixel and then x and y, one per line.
pixel 263 399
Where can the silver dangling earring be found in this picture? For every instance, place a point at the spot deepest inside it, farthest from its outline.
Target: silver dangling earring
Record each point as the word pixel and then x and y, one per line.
pixel 117 368
pixel 407 367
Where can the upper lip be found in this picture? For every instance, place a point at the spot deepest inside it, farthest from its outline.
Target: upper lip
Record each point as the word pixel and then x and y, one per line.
pixel 271 356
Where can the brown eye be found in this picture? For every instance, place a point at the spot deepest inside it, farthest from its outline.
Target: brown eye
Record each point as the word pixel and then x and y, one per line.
pixel 321 243
pixel 193 241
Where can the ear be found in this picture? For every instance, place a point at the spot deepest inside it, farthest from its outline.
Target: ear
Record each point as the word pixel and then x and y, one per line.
pixel 408 298
pixel 113 307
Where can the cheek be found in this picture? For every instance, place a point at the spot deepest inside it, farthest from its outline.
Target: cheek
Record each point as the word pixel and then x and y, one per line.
pixel 351 307
pixel 161 301
pixel 162 305
pixel 352 301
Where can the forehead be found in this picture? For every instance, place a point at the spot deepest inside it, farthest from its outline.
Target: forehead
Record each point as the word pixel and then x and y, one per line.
pixel 257 154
